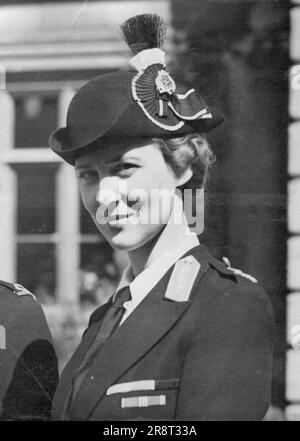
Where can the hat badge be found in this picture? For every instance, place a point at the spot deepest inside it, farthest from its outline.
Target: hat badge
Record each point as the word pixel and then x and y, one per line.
pixel 164 82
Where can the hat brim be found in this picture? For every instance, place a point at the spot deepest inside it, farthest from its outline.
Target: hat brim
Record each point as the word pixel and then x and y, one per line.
pixel 61 140
pixel 66 144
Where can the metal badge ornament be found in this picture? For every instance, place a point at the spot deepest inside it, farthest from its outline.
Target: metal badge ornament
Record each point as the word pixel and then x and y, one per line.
pixel 151 101
pixel 164 82
pixel 155 91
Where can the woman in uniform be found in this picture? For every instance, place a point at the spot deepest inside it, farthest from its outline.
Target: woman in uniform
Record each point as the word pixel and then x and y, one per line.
pixel 184 337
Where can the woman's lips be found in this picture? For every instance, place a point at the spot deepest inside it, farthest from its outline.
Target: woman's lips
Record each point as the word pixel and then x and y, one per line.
pixel 119 220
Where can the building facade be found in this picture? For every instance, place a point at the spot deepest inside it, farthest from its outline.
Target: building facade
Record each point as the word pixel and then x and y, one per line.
pixel 293 263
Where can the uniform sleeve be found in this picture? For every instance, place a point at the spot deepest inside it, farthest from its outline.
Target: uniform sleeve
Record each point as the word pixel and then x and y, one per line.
pixel 31 390
pixel 227 370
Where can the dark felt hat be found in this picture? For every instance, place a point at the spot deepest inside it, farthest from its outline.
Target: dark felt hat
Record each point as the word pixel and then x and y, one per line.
pixel 141 102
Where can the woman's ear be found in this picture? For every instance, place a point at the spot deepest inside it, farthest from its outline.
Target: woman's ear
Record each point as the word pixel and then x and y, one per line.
pixel 185 177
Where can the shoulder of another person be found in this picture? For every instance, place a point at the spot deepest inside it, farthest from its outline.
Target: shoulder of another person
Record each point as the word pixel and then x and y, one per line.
pixel 15 290
pixel 17 301
pixel 21 314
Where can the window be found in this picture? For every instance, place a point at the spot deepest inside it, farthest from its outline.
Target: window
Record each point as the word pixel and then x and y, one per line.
pixel 59 253
pixel 36 198
pixel 36 269
pixel 36 116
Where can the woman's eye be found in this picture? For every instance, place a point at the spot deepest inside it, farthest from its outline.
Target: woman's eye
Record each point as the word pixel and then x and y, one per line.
pixel 87 176
pixel 124 168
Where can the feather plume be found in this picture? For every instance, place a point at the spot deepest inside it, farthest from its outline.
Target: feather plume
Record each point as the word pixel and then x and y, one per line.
pixel 144 31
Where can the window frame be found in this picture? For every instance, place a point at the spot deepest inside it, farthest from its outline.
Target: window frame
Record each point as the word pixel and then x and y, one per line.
pixel 67 238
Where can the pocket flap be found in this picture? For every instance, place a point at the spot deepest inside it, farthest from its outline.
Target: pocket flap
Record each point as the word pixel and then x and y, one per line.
pixel 122 388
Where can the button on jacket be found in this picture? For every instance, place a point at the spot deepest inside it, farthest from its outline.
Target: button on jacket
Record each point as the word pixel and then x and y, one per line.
pixel 197 349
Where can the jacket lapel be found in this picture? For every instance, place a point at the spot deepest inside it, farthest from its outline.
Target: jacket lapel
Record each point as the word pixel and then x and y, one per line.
pixel 131 341
pixel 64 388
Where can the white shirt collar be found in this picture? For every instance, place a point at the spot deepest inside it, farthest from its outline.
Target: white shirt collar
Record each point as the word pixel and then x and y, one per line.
pixel 150 276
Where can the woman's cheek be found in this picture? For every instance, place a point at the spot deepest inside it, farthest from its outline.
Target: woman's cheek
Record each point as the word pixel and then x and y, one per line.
pixel 155 211
pixel 89 201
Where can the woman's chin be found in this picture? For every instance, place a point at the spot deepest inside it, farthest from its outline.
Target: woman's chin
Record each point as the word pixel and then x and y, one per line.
pixel 130 240
pixel 125 241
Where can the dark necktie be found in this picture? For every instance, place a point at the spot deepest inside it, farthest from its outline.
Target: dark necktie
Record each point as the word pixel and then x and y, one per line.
pixel 108 326
pixel 110 323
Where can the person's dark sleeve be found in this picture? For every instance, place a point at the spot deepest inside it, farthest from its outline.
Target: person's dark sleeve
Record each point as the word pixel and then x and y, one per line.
pixel 227 370
pixel 35 377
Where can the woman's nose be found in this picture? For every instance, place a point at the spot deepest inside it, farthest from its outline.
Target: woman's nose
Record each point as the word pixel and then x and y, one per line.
pixel 110 191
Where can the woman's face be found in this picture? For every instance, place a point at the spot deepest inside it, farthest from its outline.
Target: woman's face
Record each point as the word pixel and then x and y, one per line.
pixel 128 192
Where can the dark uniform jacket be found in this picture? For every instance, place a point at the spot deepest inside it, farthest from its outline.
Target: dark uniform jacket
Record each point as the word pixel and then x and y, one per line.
pixel 201 355
pixel 28 363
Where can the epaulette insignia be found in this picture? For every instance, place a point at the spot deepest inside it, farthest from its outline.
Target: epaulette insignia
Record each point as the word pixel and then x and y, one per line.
pixel 21 291
pixel 237 272
pixel 182 279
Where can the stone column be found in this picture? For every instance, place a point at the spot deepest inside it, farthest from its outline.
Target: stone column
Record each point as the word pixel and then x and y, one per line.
pixel 7 190
pixel 293 267
pixel 67 212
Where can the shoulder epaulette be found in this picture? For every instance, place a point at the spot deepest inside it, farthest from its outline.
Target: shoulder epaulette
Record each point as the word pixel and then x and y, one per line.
pixel 182 279
pixel 17 289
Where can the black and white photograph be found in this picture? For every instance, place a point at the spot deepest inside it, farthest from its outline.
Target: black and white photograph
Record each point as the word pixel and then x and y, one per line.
pixel 149 213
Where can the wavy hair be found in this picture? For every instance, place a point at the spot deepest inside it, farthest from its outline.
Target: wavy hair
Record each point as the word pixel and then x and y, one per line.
pixel 192 150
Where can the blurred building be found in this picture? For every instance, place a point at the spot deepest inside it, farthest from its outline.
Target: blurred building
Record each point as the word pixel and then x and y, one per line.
pixel 237 54
pixel 48 51
pixel 47 240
